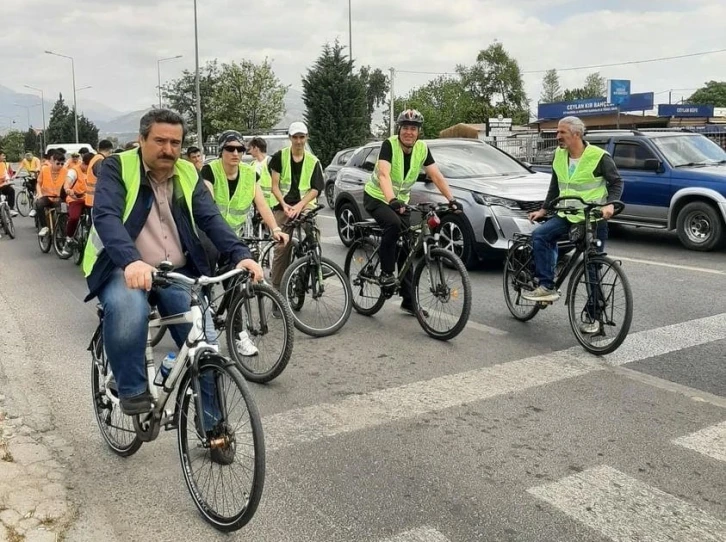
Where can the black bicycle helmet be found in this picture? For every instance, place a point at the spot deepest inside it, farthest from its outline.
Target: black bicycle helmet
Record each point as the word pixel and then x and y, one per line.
pixel 410 117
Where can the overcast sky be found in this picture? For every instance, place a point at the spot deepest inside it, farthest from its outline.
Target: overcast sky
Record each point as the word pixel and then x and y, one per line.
pixel 116 44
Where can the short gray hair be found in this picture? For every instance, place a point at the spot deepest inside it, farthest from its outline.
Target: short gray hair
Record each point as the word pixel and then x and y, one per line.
pixel 577 127
pixel 165 116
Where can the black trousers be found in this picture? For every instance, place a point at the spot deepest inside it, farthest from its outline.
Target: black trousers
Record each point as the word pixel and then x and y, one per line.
pixel 9 192
pixel 393 224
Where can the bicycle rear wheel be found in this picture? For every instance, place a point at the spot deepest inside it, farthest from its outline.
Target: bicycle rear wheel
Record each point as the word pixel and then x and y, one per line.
pixel 267 321
pixel 22 203
pixel 59 236
pixel 595 299
pixel 328 294
pixel 362 267
pixel 80 239
pixel 442 307
pixel 7 221
pixel 117 429
pixel 518 273
pixel 224 468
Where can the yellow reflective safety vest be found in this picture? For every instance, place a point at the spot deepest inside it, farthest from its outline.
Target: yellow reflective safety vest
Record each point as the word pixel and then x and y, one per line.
pixel 234 209
pixel 401 185
pixel 582 182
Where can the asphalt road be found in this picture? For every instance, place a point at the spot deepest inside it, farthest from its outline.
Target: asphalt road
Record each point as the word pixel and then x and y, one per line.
pixel 510 432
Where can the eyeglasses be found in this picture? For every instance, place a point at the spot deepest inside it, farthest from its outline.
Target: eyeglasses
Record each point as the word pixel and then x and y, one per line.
pixel 233 148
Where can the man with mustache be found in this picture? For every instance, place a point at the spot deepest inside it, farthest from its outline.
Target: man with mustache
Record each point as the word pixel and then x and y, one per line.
pixel 148 208
pixel 579 169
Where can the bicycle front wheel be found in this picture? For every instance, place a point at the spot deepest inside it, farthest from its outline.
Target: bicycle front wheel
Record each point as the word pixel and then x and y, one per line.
pixel 260 333
pixel 442 294
pixel 59 236
pixel 328 295
pixel 600 305
pixel 224 466
pixel 7 221
pixel 22 203
pixel 80 242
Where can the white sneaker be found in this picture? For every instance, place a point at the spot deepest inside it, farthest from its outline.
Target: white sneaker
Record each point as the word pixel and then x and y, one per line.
pixel 13 212
pixel 590 328
pixel 32 213
pixel 43 232
pixel 245 346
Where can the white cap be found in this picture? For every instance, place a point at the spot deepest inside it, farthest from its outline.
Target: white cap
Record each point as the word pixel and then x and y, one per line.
pixel 297 128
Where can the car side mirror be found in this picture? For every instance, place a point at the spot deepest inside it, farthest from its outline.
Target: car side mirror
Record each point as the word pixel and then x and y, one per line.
pixel 651 164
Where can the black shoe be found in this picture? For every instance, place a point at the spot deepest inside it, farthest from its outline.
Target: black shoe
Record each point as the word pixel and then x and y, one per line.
pixel 222 454
pixel 407 307
pixel 387 280
pixel 138 404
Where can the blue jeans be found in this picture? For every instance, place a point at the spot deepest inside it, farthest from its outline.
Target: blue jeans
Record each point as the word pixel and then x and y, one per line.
pixel 544 246
pixel 125 330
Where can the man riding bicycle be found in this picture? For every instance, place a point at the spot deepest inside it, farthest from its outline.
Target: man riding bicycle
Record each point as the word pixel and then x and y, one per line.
pixel 6 184
pixel 578 169
pixel 149 207
pixel 399 162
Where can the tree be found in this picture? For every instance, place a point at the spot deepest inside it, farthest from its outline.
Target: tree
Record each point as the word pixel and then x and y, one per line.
pixel 335 98
pixel 31 141
pixel 13 145
pixel 181 95
pixel 248 97
pixel 713 93
pixel 572 94
pixel 87 131
pixel 495 85
pixel 551 91
pixel 60 126
pixel 443 102
pixel 595 86
pixel 377 85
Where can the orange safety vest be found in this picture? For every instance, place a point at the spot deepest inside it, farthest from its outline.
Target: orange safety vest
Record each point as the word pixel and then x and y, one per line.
pixel 49 186
pixel 91 180
pixel 79 187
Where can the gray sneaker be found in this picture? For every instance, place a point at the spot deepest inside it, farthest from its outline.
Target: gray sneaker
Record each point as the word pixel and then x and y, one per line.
pixel 590 328
pixel 542 294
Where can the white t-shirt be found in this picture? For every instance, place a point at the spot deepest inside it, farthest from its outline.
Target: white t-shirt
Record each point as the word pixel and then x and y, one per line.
pixel 573 165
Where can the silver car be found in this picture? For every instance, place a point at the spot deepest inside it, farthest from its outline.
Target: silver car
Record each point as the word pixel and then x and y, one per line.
pixel 495 190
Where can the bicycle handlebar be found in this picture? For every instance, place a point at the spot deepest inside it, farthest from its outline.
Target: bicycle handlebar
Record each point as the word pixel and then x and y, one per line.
pixel 426 207
pixel 304 216
pixel 164 277
pixel 588 206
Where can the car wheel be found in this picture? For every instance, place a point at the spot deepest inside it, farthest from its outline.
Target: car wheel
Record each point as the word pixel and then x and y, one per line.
pixel 346 216
pixel 699 226
pixel 454 236
pixel 330 194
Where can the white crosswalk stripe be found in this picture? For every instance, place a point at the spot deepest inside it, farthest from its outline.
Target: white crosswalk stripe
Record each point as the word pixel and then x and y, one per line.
pixel 625 509
pixel 389 405
pixel 422 534
pixel 710 441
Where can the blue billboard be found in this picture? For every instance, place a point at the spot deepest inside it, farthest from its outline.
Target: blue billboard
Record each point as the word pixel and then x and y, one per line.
pixel 642 101
pixel 618 91
pixel 685 110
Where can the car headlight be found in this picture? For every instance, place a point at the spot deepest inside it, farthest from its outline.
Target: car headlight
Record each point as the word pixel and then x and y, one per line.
pixel 486 199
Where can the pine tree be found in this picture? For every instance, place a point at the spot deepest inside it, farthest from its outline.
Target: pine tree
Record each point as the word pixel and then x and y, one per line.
pixel 551 91
pixel 336 102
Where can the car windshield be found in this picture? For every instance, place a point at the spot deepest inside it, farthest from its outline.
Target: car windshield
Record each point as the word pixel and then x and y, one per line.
pixel 475 160
pixel 690 150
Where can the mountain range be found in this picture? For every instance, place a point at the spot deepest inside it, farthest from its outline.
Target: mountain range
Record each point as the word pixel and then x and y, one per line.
pixel 110 121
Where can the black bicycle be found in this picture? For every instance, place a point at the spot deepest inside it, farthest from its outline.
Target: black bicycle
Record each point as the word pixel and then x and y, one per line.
pixel 5 219
pixel 599 315
pixel 80 238
pixel 441 286
pixel 25 198
pixel 316 279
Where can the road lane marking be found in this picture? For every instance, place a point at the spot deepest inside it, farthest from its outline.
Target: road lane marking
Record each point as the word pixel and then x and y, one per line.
pixel 326 420
pixel 710 441
pixel 671 265
pixel 625 509
pixel 422 534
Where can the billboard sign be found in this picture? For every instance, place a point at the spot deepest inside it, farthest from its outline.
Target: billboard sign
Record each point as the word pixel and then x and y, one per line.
pixel 618 91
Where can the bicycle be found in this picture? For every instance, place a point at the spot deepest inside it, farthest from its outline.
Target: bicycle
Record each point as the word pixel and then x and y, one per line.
pixel 5 219
pixel 56 218
pixel 25 198
pixel 362 266
pixel 80 237
pixel 311 273
pixel 587 266
pixel 197 378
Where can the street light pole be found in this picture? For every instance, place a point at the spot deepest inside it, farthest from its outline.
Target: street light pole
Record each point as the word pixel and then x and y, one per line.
pixel 42 104
pixel 158 73
pixel 73 72
pixel 350 31
pixel 200 142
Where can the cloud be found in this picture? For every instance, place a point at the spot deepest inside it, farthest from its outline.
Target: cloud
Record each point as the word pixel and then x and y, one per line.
pixel 116 46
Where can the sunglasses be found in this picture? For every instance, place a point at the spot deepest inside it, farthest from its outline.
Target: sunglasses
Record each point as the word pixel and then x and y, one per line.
pixel 233 148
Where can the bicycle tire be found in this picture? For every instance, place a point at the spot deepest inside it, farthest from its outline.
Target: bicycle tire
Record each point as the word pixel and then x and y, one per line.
pixel 59 235
pixel 507 282
pixel 305 327
pixel 22 203
pixel 375 268
pixel 573 312
pixel 452 261
pixel 101 402
pixel 7 221
pixel 80 238
pixel 243 365
pixel 220 521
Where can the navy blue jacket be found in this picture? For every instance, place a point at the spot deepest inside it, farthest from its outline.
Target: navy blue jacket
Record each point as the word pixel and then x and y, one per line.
pixel 118 237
